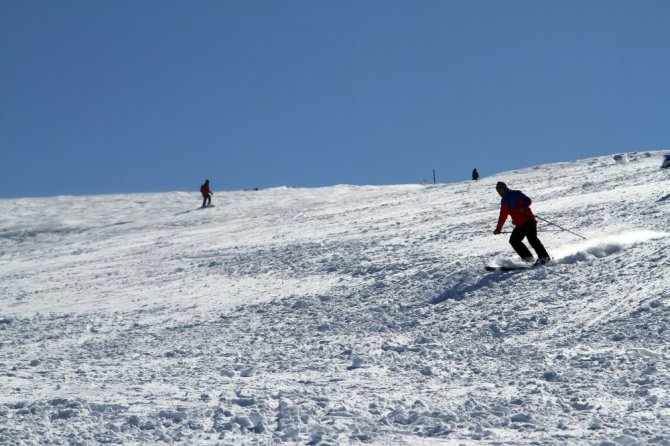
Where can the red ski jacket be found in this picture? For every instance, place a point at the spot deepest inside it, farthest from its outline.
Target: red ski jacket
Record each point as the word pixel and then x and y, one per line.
pixel 516 205
pixel 204 190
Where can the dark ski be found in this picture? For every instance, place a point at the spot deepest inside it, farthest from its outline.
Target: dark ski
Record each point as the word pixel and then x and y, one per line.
pixel 507 268
pixel 514 268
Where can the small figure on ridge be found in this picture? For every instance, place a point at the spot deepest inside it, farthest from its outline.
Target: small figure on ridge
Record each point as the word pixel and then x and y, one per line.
pixel 206 194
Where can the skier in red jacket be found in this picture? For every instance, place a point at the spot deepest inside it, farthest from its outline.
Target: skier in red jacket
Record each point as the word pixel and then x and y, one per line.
pixel 206 194
pixel 516 205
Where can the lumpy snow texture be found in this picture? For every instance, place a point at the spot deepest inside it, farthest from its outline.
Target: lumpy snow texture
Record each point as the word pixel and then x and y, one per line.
pixel 340 315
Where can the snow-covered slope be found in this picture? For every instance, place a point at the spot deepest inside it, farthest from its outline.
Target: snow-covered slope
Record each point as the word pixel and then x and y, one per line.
pixel 340 315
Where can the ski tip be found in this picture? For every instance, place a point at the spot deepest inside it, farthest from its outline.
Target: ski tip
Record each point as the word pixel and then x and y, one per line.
pixel 507 268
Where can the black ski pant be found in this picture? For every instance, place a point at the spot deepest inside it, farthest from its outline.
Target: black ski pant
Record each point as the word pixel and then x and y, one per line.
pixel 206 200
pixel 529 231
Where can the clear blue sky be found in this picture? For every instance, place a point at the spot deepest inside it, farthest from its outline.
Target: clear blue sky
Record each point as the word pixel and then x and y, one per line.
pixel 157 95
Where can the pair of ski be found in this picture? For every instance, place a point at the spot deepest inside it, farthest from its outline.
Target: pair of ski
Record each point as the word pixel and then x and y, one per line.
pixel 513 268
pixel 196 209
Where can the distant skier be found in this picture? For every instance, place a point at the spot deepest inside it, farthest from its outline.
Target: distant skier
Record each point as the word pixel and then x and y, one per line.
pixel 666 162
pixel 206 194
pixel 516 205
pixel 475 175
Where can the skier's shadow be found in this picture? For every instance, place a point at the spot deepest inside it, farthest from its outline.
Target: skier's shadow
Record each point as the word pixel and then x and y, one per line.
pixel 464 286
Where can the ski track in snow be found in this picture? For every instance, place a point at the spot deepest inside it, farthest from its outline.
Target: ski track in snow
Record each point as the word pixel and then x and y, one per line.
pixel 340 315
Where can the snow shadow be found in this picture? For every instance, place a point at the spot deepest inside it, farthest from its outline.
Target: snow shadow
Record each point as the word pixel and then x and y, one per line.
pixel 468 282
pixel 25 234
pixel 45 231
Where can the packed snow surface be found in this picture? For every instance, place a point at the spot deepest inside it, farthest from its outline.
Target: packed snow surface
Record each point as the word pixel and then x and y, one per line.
pixel 341 315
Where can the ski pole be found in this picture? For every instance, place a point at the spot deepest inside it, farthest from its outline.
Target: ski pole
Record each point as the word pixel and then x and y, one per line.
pixel 560 227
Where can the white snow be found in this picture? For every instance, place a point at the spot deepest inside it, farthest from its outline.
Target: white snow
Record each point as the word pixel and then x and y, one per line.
pixel 341 315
